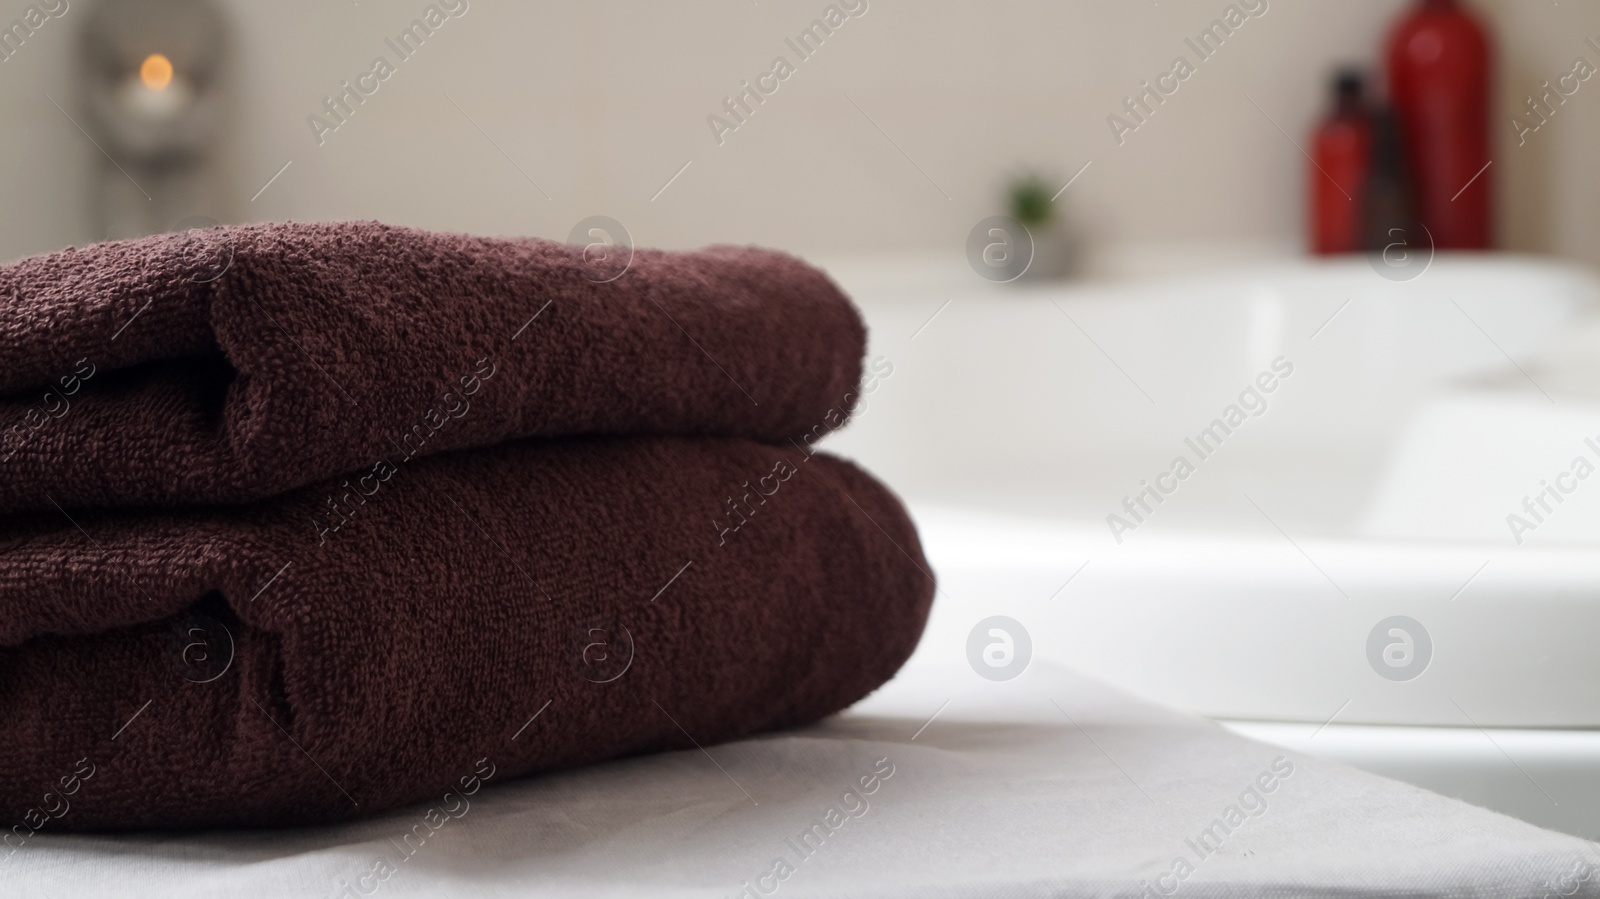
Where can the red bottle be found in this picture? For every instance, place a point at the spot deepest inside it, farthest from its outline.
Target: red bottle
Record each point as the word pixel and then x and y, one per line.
pixel 1439 82
pixel 1342 153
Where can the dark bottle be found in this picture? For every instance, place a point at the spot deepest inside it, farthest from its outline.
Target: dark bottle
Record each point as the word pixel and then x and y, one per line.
pixel 1439 82
pixel 1341 151
pixel 1388 216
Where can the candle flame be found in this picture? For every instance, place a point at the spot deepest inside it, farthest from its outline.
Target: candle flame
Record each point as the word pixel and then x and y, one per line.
pixel 156 72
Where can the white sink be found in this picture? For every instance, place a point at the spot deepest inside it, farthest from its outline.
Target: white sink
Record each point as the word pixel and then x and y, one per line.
pixel 1327 564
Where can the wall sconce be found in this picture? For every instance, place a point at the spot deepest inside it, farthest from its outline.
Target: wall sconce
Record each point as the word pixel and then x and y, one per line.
pixel 157 95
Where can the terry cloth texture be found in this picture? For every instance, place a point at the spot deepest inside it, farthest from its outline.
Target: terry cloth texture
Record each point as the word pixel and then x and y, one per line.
pixel 489 613
pixel 305 522
pixel 237 363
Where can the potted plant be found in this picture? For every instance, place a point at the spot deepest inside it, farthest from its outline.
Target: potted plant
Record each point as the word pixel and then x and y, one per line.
pixel 1030 200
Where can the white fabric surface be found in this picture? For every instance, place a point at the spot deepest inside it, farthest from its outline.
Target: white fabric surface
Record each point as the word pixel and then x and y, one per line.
pixel 1002 794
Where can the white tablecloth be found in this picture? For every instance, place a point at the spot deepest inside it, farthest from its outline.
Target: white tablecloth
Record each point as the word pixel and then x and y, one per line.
pixel 1047 785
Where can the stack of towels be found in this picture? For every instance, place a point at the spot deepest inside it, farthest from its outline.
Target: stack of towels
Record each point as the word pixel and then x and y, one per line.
pixel 303 522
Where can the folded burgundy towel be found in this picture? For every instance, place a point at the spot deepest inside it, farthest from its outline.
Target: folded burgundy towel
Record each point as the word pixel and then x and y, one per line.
pixel 480 615
pixel 237 363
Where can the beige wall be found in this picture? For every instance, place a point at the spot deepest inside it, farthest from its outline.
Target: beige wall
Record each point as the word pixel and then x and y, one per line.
pixel 600 103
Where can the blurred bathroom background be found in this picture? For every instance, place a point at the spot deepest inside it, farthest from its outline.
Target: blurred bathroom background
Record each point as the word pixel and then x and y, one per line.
pixel 896 136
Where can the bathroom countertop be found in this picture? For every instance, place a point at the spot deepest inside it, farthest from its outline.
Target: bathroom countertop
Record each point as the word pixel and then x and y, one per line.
pixel 943 784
